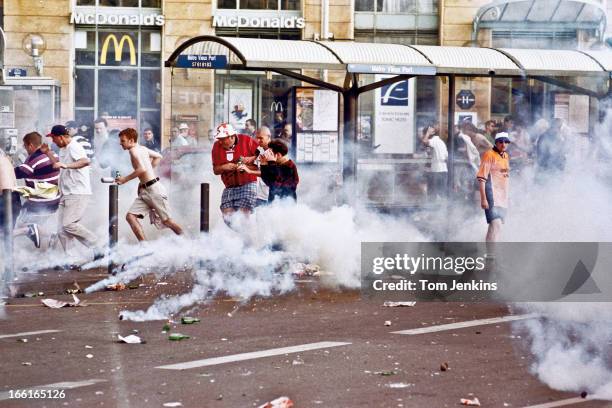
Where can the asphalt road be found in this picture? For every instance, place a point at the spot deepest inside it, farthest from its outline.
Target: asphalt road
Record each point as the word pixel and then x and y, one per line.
pixel 342 355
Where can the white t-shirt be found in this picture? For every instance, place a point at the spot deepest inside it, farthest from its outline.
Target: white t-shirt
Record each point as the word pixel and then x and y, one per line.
pixel 439 154
pixel 7 173
pixel 74 181
pixel 179 141
pixel 473 155
pixel 86 145
pixel 263 190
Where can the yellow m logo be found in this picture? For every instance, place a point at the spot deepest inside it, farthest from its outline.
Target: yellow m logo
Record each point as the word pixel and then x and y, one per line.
pixel 118 48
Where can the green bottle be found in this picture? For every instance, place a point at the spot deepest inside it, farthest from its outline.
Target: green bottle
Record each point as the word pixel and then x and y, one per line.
pixel 177 337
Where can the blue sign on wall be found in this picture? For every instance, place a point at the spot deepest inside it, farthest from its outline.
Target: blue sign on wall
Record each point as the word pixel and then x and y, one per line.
pixel 395 94
pixel 201 61
pixel 17 72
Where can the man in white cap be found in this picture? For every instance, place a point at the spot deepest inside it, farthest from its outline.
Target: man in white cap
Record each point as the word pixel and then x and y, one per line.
pixel 184 133
pixel 177 139
pixel 228 153
pixel 493 177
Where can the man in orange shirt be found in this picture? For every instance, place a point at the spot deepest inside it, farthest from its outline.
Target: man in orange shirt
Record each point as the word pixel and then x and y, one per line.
pixel 493 176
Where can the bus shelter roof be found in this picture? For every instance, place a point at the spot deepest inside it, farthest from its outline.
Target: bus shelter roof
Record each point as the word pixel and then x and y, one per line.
pixel 394 59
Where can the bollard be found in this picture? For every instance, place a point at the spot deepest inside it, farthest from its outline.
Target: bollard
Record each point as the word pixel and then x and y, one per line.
pixel 204 207
pixel 7 224
pixel 113 222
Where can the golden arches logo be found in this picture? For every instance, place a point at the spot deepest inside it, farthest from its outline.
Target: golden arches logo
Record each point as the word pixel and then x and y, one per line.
pixel 118 48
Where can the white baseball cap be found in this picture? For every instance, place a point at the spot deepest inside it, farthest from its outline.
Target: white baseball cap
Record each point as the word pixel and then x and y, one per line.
pixel 225 130
pixel 502 137
pixel 183 126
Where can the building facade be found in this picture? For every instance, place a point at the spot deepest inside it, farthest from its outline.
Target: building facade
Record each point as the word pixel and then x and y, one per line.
pixel 108 54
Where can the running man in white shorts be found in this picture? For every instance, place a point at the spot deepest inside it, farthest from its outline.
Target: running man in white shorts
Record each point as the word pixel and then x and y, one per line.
pixel 151 193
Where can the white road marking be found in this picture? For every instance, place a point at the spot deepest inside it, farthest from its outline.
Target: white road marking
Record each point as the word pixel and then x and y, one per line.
pixel 461 325
pixel 6 336
pixel 56 386
pixel 560 403
pixel 252 355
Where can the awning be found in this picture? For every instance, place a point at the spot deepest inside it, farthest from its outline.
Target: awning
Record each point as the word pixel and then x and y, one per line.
pixel 265 53
pixel 366 57
pixel 554 62
pixel 603 58
pixel 395 59
pixel 469 60
pixel 546 15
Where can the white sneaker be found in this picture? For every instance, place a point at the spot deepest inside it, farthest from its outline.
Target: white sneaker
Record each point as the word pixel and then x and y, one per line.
pixel 34 235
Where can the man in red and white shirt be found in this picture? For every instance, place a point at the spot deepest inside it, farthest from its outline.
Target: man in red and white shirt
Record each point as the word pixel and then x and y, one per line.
pixel 228 153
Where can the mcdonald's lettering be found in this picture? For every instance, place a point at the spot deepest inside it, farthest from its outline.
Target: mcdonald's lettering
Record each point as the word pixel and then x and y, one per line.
pixel 118 48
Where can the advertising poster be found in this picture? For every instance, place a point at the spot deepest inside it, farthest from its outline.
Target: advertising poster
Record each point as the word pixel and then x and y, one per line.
pixel 325 111
pixel 304 109
pixel 394 112
pixel 239 106
pixel 463 117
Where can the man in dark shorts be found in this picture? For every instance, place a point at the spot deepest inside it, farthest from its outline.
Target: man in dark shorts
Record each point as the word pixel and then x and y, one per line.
pixel 228 153
pixel 493 176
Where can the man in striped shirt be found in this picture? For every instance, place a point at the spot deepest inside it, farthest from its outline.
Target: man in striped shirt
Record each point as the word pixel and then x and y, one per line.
pixel 37 168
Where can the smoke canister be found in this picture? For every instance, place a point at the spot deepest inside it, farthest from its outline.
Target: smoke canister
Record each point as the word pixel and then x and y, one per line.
pixel 189 320
pixel 107 180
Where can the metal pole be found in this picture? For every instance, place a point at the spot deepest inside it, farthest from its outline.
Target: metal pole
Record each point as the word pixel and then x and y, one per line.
pixel 204 207
pixel 113 222
pixel 451 135
pixel 349 165
pixel 7 223
pixel 451 155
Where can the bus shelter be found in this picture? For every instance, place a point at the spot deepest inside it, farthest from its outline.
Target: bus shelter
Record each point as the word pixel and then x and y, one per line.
pixel 343 74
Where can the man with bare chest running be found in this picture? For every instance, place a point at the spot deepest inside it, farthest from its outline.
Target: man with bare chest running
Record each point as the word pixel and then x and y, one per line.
pixel 151 193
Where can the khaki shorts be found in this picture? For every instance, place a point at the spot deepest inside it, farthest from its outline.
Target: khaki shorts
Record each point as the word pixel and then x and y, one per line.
pixel 151 198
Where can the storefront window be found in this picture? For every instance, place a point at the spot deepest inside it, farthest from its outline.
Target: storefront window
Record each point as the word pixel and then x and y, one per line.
pixel 121 3
pixel 398 6
pixel 118 77
pixel 259 4
pixel 501 94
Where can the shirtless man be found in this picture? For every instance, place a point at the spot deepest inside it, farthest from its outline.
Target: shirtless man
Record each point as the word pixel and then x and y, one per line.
pixel 151 194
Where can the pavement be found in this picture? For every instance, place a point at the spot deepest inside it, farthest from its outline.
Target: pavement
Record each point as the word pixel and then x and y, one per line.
pixel 319 347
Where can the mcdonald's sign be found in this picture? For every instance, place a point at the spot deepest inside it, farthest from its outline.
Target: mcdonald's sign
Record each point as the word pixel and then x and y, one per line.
pixel 276 106
pixel 118 48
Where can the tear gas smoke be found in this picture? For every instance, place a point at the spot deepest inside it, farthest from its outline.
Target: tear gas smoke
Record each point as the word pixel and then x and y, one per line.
pixel 243 266
pixel 570 342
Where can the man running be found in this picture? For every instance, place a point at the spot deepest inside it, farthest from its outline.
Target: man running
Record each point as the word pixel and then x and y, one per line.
pixel 151 193
pixel 75 187
pixel 493 177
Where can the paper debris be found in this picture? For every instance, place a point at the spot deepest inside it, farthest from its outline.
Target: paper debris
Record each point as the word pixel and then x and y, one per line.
pixel 131 339
pixel 398 304
pixel 470 402
pixel 56 304
pixel 281 402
